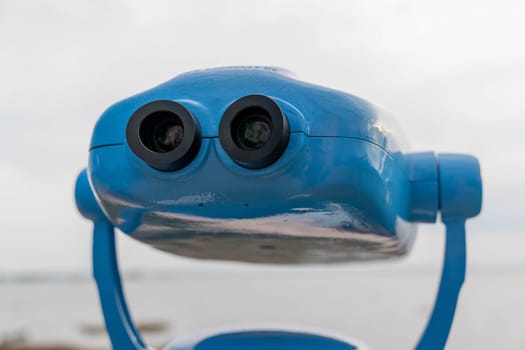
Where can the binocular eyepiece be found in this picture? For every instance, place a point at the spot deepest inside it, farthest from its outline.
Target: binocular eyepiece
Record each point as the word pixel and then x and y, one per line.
pixel 253 131
pixel 164 134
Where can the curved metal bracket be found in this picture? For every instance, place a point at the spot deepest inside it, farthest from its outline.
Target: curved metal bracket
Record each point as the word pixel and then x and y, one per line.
pixel 452 277
pixel 121 330
pixel 124 335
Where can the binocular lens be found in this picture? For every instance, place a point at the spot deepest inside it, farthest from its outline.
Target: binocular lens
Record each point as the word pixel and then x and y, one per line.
pixel 164 134
pixel 254 131
pixel 169 137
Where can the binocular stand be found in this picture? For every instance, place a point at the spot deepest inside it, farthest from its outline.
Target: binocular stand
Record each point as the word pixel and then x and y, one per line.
pixel 459 197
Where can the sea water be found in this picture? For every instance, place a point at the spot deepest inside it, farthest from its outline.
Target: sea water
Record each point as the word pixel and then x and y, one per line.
pixel 384 305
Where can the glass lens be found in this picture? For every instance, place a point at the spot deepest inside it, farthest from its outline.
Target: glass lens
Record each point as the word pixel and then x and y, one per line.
pixel 254 132
pixel 168 136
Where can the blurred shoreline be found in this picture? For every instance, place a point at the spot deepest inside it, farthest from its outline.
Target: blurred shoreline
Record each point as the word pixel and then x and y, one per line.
pixel 20 341
pixel 61 311
pixel 275 271
pixel 23 346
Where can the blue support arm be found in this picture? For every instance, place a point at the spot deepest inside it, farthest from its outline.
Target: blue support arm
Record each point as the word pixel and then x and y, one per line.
pixel 452 277
pixel 120 327
pixel 124 335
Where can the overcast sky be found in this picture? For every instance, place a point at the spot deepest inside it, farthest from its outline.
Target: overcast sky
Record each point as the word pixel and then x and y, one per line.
pixel 453 73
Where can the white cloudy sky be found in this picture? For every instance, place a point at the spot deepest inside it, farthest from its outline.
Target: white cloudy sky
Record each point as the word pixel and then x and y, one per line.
pixel 453 72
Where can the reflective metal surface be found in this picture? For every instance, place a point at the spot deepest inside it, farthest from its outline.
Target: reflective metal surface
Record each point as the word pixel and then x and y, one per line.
pixel 338 193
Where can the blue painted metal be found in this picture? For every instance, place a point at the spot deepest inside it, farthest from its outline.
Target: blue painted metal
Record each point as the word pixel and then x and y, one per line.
pixel 85 200
pixel 460 193
pixel 311 109
pixel 120 327
pixel 342 177
pixel 452 277
pixel 460 187
pixel 271 340
pixel 344 187
pixel 257 339
pixel 122 331
pixel 354 197
pixel 424 188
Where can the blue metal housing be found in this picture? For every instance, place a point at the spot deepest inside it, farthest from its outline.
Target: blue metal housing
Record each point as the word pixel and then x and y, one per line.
pixel 342 184
pixel 263 340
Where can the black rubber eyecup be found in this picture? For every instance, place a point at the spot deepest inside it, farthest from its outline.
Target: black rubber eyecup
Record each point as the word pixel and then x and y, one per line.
pixel 164 134
pixel 254 131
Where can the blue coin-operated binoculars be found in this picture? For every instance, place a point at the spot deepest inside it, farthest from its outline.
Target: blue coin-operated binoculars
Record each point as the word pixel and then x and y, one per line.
pixel 250 164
